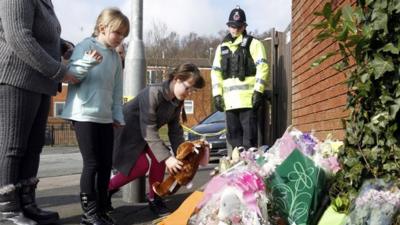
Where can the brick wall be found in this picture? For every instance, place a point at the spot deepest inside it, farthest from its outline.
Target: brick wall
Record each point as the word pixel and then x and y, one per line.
pixel 60 97
pixel 318 94
pixel 202 100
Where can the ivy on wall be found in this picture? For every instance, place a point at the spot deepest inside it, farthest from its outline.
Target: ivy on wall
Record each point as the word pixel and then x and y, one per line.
pixel 367 36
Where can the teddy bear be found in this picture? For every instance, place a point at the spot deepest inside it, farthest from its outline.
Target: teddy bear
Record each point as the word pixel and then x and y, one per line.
pixel 191 154
pixel 230 207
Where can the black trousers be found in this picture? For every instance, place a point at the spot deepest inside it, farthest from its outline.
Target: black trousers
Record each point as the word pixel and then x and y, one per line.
pixel 23 118
pixel 96 145
pixel 241 127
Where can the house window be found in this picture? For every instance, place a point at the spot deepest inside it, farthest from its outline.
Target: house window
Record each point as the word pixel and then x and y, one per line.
pixel 154 76
pixel 58 108
pixel 189 107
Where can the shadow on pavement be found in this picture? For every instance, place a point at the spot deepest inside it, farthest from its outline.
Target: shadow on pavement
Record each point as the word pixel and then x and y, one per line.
pixel 66 202
pixel 139 213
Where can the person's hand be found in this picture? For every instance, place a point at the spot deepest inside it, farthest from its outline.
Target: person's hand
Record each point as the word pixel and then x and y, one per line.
pixel 67 49
pixel 116 124
pixel 219 103
pixel 69 78
pixel 256 100
pixel 173 165
pixel 95 55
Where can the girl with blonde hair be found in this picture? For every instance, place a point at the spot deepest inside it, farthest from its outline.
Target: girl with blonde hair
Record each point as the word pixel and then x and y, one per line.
pixel 95 106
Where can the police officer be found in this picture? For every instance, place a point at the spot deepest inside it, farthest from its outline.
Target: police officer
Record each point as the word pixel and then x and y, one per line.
pixel 239 77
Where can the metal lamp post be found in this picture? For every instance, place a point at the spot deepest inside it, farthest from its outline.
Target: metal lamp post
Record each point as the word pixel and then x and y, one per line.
pixel 134 81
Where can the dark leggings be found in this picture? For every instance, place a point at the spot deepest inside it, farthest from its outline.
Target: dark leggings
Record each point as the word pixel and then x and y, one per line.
pixel 23 118
pixel 96 145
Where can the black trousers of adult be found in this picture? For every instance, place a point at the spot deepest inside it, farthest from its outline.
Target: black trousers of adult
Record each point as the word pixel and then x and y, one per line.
pixel 241 127
pixel 96 145
pixel 23 118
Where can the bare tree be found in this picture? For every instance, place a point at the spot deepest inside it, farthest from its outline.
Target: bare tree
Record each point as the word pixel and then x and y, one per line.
pixel 162 45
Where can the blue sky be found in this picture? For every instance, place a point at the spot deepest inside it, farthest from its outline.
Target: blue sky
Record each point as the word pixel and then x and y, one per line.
pixel 205 17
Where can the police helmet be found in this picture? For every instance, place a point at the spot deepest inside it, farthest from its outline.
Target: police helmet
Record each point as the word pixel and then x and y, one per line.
pixel 237 18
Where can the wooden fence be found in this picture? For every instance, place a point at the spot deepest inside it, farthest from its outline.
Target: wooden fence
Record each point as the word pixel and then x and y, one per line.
pixel 278 109
pixel 60 134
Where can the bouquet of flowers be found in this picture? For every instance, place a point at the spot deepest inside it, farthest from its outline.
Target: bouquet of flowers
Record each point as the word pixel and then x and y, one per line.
pixel 377 203
pixel 296 169
pixel 292 173
pixel 236 197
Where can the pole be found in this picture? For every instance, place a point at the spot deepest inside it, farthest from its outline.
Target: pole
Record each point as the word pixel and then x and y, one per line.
pixel 134 81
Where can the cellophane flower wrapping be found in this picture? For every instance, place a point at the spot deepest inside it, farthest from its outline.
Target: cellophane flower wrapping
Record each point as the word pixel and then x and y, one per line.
pixel 294 179
pixel 324 154
pixel 251 208
pixel 297 179
pixel 378 202
pixel 297 188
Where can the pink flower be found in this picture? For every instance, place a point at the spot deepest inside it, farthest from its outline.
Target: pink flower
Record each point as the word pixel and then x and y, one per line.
pixel 235 219
pixel 331 163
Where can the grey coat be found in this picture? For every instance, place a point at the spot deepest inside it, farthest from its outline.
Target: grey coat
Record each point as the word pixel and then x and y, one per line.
pixel 144 115
pixel 30 50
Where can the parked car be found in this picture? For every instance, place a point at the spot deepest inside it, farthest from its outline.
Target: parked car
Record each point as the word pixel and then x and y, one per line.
pixel 213 124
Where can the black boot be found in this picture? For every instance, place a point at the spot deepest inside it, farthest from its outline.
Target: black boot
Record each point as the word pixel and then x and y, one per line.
pixel 29 206
pixel 90 210
pixel 109 207
pixel 104 200
pixel 10 208
pixel 107 218
pixel 158 207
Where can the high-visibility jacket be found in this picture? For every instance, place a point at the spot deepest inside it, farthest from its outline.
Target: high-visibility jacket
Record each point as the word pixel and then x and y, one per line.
pixel 236 93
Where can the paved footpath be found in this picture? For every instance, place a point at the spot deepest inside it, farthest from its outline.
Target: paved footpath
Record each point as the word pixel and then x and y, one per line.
pixel 58 189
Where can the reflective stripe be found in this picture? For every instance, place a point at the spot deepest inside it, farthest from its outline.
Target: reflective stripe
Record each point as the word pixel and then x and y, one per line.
pixel 237 87
pixel 260 81
pixel 216 68
pixel 225 51
pixel 216 89
pixel 260 61
pixel 215 86
pixel 244 41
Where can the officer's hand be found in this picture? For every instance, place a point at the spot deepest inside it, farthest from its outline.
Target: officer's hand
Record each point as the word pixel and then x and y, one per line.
pixel 219 103
pixel 256 100
pixel 268 95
